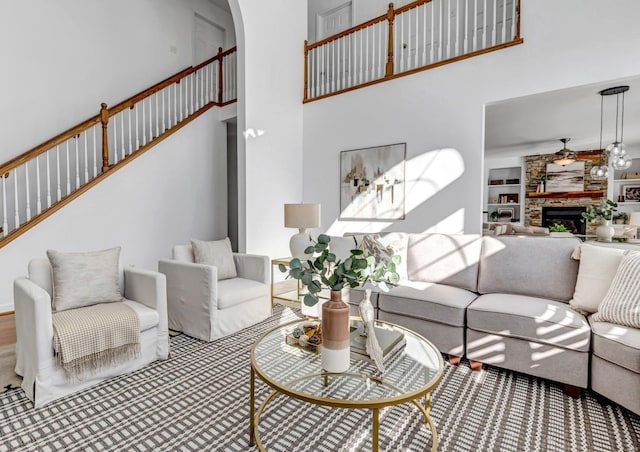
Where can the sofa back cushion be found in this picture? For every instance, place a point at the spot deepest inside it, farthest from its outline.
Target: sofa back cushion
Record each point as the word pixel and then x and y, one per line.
pixel 445 259
pixel 533 266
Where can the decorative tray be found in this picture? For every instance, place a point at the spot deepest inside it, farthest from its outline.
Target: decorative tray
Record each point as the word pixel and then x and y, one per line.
pixel 307 337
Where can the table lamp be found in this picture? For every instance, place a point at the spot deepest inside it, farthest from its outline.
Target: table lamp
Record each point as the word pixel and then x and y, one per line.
pixel 301 216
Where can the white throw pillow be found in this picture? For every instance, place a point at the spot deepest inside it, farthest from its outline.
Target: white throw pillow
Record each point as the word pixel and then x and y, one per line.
pixel 217 253
pixel 394 243
pixel 84 279
pixel 598 266
pixel 621 304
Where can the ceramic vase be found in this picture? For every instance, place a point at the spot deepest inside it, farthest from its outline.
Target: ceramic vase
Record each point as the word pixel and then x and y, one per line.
pixel 605 231
pixel 335 349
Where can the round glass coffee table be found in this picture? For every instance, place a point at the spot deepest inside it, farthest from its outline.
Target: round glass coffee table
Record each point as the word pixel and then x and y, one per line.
pixel 411 373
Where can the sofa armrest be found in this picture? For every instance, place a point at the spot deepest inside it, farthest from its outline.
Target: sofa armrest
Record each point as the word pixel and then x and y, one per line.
pixel 190 284
pixel 34 328
pixel 148 288
pixel 253 266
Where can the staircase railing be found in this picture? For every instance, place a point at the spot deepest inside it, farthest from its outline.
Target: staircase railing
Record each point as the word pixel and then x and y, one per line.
pixel 40 181
pixel 418 36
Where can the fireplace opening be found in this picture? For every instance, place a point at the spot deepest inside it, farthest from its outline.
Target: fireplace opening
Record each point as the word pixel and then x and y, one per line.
pixel 569 217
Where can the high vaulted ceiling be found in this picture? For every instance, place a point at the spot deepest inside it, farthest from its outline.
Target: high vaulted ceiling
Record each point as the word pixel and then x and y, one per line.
pixel 534 124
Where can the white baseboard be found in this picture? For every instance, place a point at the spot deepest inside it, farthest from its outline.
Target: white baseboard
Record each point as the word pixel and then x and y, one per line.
pixel 6 307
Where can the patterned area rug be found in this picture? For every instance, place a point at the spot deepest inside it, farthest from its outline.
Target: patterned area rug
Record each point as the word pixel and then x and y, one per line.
pixel 198 400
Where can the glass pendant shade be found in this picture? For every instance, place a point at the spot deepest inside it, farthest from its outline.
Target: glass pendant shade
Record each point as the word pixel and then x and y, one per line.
pixel 621 162
pixel 617 149
pixel 599 172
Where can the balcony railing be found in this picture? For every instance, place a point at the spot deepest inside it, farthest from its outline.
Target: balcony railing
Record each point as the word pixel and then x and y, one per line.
pixel 418 36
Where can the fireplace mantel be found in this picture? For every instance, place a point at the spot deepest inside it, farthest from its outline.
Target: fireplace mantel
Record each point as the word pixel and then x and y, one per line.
pixel 567 194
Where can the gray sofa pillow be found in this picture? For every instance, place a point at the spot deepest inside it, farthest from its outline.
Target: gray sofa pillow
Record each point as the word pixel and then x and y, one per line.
pixel 84 279
pixel 217 253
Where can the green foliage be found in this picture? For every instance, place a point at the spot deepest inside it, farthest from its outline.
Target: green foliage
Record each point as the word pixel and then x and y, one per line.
pixel 603 212
pixel 325 270
pixel 558 228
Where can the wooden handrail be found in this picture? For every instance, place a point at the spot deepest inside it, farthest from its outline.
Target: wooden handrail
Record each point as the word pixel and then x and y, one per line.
pixel 44 147
pixel 410 6
pixel 348 31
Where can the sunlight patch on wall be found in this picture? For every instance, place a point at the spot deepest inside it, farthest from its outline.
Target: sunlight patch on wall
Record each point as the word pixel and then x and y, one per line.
pixel 453 224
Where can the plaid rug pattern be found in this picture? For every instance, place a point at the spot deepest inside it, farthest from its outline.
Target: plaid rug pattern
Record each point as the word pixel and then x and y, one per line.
pixel 198 400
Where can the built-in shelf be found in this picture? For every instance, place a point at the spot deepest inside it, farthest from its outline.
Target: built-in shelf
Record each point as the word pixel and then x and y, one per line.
pixel 567 194
pixel 503 185
pixel 629 203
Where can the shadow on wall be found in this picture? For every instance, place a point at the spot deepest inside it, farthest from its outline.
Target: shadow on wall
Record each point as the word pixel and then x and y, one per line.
pixel 426 176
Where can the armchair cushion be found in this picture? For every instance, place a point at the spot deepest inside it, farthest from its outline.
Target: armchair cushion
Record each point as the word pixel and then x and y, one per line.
pixel 84 279
pixel 147 317
pixel 217 253
pixel 234 291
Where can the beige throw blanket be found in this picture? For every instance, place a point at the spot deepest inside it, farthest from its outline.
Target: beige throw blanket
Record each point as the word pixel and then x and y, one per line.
pixel 86 340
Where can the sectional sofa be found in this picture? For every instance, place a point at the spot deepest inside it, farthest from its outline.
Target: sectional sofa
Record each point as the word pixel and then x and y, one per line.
pixel 506 301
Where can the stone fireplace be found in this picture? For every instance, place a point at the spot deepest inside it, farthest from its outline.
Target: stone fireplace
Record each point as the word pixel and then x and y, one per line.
pixel 569 217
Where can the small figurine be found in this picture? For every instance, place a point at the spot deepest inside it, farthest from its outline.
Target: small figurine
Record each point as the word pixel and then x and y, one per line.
pixel 366 313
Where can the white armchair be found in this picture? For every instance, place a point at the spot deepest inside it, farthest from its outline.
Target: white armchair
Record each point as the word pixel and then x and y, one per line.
pixel 43 379
pixel 202 307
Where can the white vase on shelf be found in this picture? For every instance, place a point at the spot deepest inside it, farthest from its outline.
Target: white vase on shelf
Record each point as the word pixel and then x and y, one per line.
pixel 605 231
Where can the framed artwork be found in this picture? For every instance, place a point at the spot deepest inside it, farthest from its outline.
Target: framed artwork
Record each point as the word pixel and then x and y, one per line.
pixel 631 193
pixel 372 183
pixel 506 213
pixel 565 178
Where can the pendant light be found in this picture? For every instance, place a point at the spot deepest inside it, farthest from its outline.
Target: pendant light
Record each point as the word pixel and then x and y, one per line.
pixel 565 156
pixel 600 171
pixel 617 150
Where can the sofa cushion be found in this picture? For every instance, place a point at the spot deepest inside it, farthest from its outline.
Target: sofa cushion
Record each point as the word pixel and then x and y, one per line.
pixel 598 266
pixel 445 259
pixel 617 344
pixel 148 318
pixel 533 319
pixel 84 279
pixel 217 253
pixel 234 291
pixel 342 246
pixel 428 301
pixel 621 304
pixel 534 266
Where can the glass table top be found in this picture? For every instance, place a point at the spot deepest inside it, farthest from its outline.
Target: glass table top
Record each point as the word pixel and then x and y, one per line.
pixel 408 374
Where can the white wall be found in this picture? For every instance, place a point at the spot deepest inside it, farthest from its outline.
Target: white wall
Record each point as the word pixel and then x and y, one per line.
pixel 439 113
pixel 270 75
pixel 60 60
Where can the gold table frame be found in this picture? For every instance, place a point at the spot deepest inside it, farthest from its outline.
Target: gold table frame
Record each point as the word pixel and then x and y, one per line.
pixel 375 405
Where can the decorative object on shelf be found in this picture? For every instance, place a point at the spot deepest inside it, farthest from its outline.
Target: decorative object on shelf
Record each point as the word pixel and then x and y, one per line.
pixel 565 156
pixel 617 150
pixel 562 178
pixel 495 216
pixel 507 198
pixel 367 315
pixel 372 183
pixel 620 218
pixel 512 181
pixel 506 214
pixel 630 175
pixel 325 270
pixel 301 216
pixel 604 213
pixel 631 193
pixel 496 182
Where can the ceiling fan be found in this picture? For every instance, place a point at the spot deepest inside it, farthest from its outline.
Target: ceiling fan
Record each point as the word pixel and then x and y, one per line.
pixel 565 156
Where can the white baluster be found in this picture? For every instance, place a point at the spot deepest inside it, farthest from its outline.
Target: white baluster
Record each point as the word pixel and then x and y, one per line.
pixel 38 201
pixel 144 122
pixel 206 83
pixel 5 222
pixel 310 70
pixel 440 31
pixel 433 30
pixel 68 172
pixel 203 74
pixel 513 20
pixel 484 26
pixel 86 159
pixel 48 180
pixel 401 42
pixel 122 145
pixel 456 50
pixel 181 104
pixel 157 118
pixel 475 25
pixel 367 75
pixel 361 68
pixel 176 105
pixel 191 77
pixel 130 130
pixel 495 22
pixel 342 62
pixel 95 153
pixel 164 112
pixel 77 164
pixel 504 21
pixel 448 29
pixel 466 27
pixel 16 217
pixel 115 140
pixel 28 194
pixel 323 71
pixel 58 189
pixel 150 118
pixel 374 53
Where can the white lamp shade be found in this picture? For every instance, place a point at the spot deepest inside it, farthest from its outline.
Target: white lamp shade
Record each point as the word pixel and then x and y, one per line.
pixel 634 218
pixel 302 216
